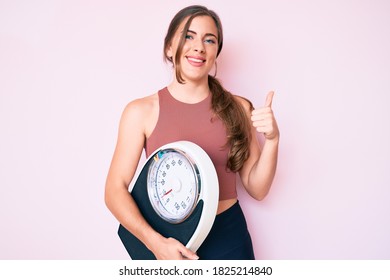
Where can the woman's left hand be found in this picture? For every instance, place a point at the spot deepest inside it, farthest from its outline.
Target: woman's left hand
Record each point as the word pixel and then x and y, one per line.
pixel 264 121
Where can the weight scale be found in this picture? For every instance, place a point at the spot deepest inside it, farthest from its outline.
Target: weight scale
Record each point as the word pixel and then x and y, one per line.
pixel 177 193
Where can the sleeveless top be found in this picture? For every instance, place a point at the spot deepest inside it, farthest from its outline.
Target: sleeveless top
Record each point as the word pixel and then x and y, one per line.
pixel 194 122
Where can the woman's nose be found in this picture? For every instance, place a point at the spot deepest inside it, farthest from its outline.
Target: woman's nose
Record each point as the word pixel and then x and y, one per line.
pixel 198 46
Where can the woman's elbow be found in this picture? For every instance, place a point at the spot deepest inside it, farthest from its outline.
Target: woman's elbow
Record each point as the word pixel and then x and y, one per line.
pixel 260 196
pixel 259 192
pixel 108 195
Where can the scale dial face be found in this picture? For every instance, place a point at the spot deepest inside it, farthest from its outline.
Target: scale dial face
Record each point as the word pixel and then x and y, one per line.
pixel 173 185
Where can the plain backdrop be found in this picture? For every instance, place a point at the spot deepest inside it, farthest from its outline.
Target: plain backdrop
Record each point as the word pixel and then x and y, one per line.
pixel 68 68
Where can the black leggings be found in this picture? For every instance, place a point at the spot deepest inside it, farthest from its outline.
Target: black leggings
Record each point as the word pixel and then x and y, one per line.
pixel 229 238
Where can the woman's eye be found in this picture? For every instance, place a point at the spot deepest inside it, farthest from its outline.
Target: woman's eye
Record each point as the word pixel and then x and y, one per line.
pixel 188 36
pixel 210 41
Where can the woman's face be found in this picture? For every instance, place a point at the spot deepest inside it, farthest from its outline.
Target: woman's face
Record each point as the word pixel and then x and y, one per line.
pixel 200 48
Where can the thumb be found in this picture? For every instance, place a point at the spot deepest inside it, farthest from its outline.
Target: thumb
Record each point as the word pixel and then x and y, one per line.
pixel 268 101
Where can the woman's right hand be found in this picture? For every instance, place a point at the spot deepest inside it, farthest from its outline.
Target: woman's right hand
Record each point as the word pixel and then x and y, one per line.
pixel 171 249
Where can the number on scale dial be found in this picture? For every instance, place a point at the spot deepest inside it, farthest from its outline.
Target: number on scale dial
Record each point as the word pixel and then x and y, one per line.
pixel 173 185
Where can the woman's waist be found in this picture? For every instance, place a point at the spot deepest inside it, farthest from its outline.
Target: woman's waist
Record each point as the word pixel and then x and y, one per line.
pixel 223 205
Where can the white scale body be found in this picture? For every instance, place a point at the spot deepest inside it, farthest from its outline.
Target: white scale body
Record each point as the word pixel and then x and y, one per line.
pixel 180 196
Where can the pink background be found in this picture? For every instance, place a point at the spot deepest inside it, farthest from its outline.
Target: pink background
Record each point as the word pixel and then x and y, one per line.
pixel 68 68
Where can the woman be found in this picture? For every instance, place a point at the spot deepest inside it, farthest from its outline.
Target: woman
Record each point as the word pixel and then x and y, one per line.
pixel 224 125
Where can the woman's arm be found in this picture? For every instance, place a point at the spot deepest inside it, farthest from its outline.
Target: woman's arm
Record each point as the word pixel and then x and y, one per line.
pixel 259 169
pixel 136 120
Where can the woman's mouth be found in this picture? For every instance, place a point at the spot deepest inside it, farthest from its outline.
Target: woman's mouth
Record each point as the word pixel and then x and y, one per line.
pixel 195 61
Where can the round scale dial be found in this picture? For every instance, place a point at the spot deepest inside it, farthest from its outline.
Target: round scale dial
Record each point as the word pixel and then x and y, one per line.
pixel 173 185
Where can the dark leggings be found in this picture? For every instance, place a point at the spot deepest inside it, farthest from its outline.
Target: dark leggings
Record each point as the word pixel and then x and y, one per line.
pixel 229 238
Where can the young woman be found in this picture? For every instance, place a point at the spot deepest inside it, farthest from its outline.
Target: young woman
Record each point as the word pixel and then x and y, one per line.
pixel 203 112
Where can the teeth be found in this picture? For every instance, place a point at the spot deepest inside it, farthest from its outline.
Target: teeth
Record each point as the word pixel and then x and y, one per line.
pixel 195 60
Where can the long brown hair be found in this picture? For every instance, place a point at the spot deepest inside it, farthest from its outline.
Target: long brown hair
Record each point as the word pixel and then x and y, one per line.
pixel 223 103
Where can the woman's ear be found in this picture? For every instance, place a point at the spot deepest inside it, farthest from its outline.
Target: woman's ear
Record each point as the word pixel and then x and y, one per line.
pixel 169 51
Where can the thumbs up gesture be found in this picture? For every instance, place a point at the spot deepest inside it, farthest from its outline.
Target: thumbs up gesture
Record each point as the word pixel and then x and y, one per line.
pixel 264 121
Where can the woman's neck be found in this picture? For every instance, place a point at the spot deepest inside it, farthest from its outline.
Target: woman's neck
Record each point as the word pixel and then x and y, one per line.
pixel 189 92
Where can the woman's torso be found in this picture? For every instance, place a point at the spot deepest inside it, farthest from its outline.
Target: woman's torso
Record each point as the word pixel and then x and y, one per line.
pixel 175 120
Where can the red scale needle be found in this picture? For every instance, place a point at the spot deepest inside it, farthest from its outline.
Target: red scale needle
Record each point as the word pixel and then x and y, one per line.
pixel 167 192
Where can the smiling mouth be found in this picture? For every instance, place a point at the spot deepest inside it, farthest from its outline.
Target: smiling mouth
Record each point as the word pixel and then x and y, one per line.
pixel 195 60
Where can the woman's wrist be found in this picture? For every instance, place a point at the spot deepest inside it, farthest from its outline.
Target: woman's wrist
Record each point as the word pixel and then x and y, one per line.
pixel 152 240
pixel 274 140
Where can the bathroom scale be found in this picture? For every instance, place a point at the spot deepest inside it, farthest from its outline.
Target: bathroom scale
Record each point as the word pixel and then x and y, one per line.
pixel 177 192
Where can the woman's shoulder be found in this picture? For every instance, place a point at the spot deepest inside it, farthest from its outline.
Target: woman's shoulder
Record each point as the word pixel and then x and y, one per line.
pixel 244 102
pixel 141 109
pixel 143 105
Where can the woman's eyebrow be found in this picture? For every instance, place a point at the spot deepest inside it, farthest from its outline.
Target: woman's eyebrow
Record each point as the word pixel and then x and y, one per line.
pixel 207 34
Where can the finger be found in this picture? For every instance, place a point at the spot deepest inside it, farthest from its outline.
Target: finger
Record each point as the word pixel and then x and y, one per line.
pixel 262 115
pixel 262 111
pixel 187 253
pixel 268 101
pixel 265 124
